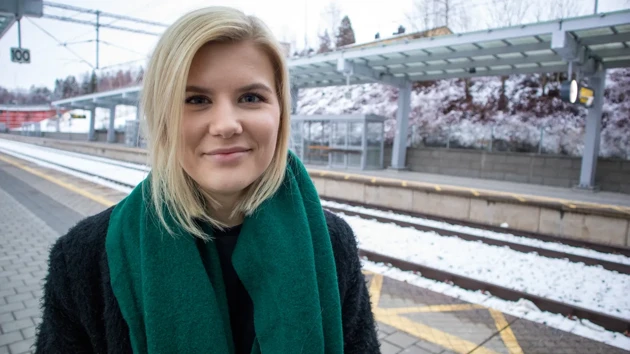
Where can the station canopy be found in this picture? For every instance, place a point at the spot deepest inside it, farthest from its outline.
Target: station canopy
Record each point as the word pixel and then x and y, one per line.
pixel 533 48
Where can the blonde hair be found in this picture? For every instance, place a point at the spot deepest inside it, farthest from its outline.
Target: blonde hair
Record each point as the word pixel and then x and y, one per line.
pixel 172 190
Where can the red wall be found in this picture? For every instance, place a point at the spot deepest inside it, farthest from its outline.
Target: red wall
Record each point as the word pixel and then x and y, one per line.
pixel 14 119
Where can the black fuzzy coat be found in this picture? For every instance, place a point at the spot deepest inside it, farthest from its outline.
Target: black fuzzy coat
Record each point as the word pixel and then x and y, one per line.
pixel 81 315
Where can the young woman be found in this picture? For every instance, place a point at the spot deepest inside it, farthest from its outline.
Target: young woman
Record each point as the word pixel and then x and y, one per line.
pixel 224 248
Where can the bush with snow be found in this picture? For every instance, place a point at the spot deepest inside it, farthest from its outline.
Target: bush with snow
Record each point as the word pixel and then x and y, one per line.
pixel 441 112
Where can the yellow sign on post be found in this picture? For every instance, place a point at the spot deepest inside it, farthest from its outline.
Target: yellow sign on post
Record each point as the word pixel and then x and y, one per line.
pixel 586 96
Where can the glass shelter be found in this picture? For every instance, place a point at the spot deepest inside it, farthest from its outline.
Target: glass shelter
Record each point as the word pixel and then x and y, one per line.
pixel 339 141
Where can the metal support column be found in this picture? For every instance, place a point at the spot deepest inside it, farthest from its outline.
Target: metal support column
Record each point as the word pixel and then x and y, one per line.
pixel 137 123
pixel 91 132
pixel 399 151
pixel 294 98
pixel 111 133
pixel 57 119
pixel 593 131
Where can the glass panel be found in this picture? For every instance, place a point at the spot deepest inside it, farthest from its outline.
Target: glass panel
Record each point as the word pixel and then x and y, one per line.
pixel 355 135
pixel 338 159
pixel 374 134
pixel 373 159
pixel 339 134
pixel 354 160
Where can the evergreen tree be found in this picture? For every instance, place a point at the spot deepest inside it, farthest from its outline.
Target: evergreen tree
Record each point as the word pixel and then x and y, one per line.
pixel 345 34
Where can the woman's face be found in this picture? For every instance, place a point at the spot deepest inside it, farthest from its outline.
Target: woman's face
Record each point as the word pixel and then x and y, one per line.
pixel 231 118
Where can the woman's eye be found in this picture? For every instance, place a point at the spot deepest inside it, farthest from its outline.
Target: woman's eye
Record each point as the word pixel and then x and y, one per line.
pixel 251 98
pixel 197 100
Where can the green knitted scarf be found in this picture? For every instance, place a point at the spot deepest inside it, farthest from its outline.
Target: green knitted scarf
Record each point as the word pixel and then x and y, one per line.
pixel 283 257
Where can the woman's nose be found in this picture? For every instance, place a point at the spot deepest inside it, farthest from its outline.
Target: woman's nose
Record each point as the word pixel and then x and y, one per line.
pixel 225 121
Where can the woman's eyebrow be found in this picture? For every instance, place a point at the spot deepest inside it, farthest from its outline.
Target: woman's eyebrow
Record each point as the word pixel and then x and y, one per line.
pixel 197 89
pixel 250 87
pixel 256 86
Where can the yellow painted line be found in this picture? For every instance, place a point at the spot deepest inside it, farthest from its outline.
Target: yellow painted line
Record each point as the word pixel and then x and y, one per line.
pixel 437 188
pixel 375 290
pixel 572 206
pixel 373 180
pixel 519 198
pixel 474 192
pixel 509 339
pixel 432 308
pixel 59 182
pixel 346 177
pixel 431 334
pixel 404 183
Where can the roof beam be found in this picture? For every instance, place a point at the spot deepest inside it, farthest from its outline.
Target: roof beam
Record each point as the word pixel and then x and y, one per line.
pixel 612 64
pixel 103 95
pixel 463 75
pixel 614 52
pixel 606 39
pixel 521 48
pixel 611 19
pixel 479 63
pixel 311 70
pixel 76 106
pixel 365 72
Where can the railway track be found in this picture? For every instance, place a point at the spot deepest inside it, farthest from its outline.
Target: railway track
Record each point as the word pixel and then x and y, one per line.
pixel 607 321
pixel 609 265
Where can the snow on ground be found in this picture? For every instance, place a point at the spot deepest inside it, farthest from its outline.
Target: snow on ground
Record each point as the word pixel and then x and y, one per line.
pixel 558 279
pixel 485 233
pixel 115 173
pixel 522 309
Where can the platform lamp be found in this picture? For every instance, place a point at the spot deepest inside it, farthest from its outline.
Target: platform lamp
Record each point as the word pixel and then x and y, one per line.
pixel 572 92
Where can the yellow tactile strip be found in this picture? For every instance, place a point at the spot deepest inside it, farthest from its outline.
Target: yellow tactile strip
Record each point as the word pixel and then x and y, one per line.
pixel 394 318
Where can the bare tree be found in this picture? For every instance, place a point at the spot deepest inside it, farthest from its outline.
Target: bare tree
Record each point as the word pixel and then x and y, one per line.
pixel 461 20
pixel 540 11
pixel 420 18
pixel 331 16
pixel 565 8
pixel 507 13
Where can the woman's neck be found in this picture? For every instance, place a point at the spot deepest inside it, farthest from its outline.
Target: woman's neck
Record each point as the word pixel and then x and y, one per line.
pixel 223 211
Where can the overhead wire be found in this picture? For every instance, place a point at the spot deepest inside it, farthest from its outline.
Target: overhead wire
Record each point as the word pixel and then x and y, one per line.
pixel 60 43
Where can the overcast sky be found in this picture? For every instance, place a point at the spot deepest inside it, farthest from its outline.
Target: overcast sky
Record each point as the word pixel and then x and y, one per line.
pixel 289 19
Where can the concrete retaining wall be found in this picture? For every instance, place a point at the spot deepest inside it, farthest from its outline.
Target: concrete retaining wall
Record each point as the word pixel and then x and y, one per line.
pixel 551 170
pixel 602 229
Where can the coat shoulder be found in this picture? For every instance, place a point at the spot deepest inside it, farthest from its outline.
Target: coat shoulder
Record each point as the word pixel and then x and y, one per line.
pixel 341 234
pixel 84 244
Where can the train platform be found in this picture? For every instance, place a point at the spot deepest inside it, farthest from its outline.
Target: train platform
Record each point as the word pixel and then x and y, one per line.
pixel 596 217
pixel 523 192
pixel 38 204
